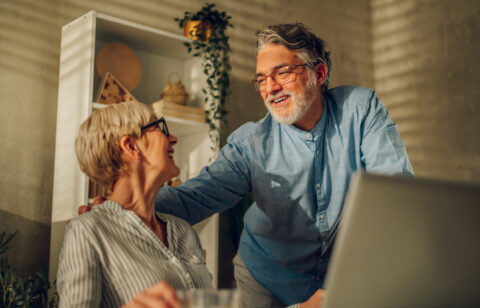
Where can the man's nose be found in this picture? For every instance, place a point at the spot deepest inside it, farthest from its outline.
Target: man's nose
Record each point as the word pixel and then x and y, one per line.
pixel 272 86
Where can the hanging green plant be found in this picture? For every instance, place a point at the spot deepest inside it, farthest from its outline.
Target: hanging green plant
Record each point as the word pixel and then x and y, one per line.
pixel 210 44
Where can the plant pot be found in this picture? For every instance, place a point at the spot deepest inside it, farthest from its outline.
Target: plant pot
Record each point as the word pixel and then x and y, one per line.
pixel 197 30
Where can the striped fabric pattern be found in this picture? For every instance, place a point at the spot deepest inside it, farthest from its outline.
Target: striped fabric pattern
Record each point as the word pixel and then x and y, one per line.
pixel 109 255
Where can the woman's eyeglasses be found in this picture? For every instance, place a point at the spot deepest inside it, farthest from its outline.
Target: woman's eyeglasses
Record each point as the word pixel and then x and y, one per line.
pixel 160 123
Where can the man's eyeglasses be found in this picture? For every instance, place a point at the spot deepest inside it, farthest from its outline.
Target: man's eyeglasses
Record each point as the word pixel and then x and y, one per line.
pixel 281 75
pixel 160 123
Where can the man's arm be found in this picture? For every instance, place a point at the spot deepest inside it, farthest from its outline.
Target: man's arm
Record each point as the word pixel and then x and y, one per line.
pixel 219 186
pixel 382 147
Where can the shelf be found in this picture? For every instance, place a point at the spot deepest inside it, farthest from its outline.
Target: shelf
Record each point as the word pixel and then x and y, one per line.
pixel 160 53
pixel 142 37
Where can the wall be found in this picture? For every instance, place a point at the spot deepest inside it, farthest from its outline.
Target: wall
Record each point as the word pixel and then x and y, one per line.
pixel 426 58
pixel 29 43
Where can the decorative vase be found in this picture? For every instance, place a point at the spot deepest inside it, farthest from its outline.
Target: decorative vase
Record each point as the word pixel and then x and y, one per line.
pixel 197 30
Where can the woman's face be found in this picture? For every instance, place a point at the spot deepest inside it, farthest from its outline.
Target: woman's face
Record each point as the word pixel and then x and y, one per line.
pixel 158 153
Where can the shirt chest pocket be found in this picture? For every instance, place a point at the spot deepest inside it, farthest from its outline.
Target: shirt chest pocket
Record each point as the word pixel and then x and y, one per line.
pixel 274 184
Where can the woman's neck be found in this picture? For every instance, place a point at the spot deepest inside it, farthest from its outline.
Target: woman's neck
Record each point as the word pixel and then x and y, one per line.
pixel 136 194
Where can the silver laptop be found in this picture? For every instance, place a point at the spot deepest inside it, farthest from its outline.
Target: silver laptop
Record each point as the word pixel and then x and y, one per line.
pixel 406 242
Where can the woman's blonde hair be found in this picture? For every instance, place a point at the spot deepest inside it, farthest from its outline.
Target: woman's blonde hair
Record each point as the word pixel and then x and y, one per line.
pixel 97 145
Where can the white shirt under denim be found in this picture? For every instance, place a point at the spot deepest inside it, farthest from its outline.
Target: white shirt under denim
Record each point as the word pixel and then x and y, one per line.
pixel 109 255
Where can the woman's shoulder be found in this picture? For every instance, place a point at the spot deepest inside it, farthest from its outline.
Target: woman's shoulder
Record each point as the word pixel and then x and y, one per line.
pixel 91 220
pixel 94 213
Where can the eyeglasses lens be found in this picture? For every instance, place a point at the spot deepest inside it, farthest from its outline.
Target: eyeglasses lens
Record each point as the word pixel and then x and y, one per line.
pixel 281 75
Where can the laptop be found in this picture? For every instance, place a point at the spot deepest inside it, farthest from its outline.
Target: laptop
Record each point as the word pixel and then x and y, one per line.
pixel 406 242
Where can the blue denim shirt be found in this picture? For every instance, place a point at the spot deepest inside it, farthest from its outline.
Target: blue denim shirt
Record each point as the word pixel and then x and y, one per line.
pixel 299 180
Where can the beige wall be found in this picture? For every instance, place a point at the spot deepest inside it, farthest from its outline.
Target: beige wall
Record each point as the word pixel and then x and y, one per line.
pixel 427 63
pixel 428 84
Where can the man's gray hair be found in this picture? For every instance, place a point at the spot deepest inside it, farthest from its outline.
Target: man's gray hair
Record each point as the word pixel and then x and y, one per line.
pixel 309 47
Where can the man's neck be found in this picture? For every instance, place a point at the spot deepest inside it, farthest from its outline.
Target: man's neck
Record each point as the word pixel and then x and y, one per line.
pixel 313 115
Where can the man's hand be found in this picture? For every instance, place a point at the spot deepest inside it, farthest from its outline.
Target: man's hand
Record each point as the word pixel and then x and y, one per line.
pixel 85 208
pixel 315 301
pixel 161 295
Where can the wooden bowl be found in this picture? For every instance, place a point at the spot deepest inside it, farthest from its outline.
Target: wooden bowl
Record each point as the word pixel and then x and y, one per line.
pixel 122 62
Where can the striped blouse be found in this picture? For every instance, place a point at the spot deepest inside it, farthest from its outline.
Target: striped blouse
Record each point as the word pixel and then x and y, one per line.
pixel 109 255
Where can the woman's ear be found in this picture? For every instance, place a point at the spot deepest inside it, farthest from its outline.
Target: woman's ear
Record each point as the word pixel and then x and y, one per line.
pixel 129 147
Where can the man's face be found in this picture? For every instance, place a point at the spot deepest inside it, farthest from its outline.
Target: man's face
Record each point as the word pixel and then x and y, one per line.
pixel 288 103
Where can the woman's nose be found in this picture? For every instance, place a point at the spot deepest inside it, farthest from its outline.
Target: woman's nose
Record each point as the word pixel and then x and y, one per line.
pixel 172 140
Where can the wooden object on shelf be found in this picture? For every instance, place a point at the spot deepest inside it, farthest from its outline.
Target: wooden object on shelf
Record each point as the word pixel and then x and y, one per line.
pixel 174 92
pixel 122 61
pixel 112 91
pixel 164 108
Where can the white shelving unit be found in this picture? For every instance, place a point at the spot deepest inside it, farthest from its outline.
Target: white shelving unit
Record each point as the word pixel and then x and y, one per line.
pixel 160 53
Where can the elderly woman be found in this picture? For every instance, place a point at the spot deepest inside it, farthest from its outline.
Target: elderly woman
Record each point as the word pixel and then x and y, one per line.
pixel 122 251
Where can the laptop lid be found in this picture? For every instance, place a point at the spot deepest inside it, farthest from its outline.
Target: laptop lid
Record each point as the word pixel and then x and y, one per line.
pixel 406 242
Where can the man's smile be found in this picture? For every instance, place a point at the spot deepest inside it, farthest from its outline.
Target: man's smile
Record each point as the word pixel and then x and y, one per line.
pixel 280 99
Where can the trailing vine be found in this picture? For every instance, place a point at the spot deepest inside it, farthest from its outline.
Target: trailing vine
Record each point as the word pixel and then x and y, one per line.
pixel 214 53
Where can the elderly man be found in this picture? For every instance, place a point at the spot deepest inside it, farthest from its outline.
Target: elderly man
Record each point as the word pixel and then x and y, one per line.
pixel 297 161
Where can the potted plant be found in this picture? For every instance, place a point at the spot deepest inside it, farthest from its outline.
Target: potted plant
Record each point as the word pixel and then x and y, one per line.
pixel 210 44
pixel 16 292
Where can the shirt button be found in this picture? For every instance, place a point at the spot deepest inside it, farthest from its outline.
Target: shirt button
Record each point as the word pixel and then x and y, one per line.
pixel 322 216
pixel 318 152
pixel 318 185
pixel 324 243
pixel 308 135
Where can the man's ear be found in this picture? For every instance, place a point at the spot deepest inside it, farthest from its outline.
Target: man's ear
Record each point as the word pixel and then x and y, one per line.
pixel 321 71
pixel 129 148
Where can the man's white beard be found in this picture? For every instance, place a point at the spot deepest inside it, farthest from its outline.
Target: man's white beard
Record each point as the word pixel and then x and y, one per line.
pixel 301 102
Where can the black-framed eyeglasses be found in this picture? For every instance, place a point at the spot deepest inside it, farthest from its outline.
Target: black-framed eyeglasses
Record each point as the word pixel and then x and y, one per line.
pixel 160 123
pixel 282 75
